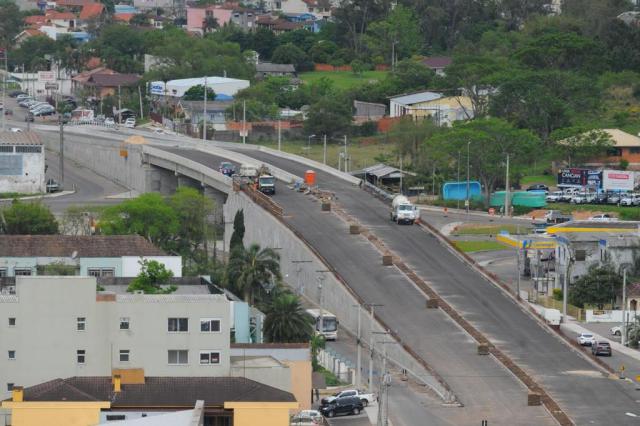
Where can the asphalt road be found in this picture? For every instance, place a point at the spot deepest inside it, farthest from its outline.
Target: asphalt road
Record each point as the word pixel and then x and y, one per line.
pixel 588 398
pixel 485 388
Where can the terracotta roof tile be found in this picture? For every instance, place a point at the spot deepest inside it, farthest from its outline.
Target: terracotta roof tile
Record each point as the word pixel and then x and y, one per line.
pixel 24 138
pixel 35 19
pixel 437 62
pixel 85 246
pixel 123 17
pixel 91 10
pixel 61 16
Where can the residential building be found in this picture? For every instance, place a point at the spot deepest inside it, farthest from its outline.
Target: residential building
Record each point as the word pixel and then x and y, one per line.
pixel 286 366
pixel 91 12
pixel 216 112
pixel 278 25
pixel 444 110
pixel 244 18
pixel 368 111
pixel 197 17
pixel 225 401
pixel 625 146
pixel 268 69
pixel 437 64
pixel 88 332
pixel 177 88
pixel 21 163
pixel 95 255
pixel 102 81
pixel 25 35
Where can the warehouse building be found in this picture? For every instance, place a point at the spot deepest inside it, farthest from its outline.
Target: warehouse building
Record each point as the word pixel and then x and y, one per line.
pixel 21 163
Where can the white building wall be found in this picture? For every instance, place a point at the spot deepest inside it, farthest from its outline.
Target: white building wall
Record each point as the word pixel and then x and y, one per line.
pixel 30 167
pixel 131 264
pixel 45 335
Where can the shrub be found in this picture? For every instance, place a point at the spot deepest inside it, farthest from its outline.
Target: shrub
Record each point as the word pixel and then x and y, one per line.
pixel 557 294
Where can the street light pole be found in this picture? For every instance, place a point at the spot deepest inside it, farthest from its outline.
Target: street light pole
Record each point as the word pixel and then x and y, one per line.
pixel 204 115
pixel 359 349
pixel 372 307
pixel 346 156
pixel 309 144
pixel 324 152
pixel 623 338
pixel 321 279
pixel 467 201
pixel 61 153
pixel 458 179
pixel 506 193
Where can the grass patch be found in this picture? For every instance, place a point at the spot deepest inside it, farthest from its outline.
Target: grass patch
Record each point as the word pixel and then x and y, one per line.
pixel 492 229
pixel 548 180
pixel 343 79
pixel 12 195
pixel 329 378
pixel 605 208
pixel 473 246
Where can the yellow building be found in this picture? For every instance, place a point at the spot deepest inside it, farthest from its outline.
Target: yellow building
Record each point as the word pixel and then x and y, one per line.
pixel 444 110
pixel 88 401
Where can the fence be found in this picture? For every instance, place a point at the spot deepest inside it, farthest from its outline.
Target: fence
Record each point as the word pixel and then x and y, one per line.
pixel 549 302
pixel 258 197
pixel 342 369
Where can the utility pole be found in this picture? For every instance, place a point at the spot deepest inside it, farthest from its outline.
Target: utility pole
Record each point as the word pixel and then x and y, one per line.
pixel 565 283
pixel 119 107
pixel 204 114
pixel 359 348
pixel 141 106
pixel 321 279
pixel 324 149
pixel 298 270
pixel 623 334
pixel 61 153
pixel 458 178
pixel 518 271
pixel 401 173
pixel 467 200
pixel 279 135
pixel 506 194
pixel 244 122
pixel 383 399
pixel 346 156
pixel 4 89
pixel 372 307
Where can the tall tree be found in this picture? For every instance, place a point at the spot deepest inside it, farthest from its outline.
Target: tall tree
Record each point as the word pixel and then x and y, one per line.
pixel 10 22
pixel 192 209
pixel 252 270
pixel 398 34
pixel 286 321
pixel 196 93
pixel 238 231
pixel 27 219
pixel 330 115
pixel 575 145
pixel 598 287
pixel 153 275
pixel 353 16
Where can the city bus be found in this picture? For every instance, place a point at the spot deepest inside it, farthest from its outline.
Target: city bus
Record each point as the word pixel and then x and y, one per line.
pixel 329 322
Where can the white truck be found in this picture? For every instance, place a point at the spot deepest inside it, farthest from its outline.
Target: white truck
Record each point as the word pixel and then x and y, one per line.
pixel 402 211
pixel 366 398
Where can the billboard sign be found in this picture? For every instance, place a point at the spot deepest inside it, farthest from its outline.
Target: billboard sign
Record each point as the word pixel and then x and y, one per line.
pixel 618 180
pixel 156 88
pixel 46 76
pixel 51 86
pixel 594 179
pixel 573 177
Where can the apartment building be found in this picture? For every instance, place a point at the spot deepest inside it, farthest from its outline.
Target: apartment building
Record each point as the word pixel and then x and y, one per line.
pixel 57 327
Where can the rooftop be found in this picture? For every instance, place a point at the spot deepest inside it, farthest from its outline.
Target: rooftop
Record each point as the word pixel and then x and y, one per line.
pixel 437 62
pixel 91 10
pixel 84 246
pixel 158 391
pixel 271 67
pixel 23 138
pixel 415 98
pixel 112 80
pixel 184 285
pixel 622 139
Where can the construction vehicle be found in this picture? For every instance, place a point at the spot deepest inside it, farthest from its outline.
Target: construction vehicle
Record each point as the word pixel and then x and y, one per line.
pixel 402 211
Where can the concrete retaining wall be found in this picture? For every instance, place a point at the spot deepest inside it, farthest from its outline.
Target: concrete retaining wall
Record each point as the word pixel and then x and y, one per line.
pixel 303 278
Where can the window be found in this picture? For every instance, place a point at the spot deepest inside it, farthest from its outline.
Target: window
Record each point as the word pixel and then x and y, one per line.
pixel 3 272
pixel 10 387
pixel 81 356
pixel 101 272
pixel 178 356
pixel 23 271
pixel 614 152
pixel 114 417
pixel 28 149
pixel 6 148
pixel 12 322
pixel 581 255
pixel 124 355
pixel 81 324
pixel 178 325
pixel 634 150
pixel 12 355
pixel 209 325
pixel 124 323
pixel 209 357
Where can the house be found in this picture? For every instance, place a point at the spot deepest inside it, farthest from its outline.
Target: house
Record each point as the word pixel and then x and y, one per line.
pixel 91 11
pixel 444 110
pixel 277 25
pixel 268 69
pixel 367 111
pixel 22 158
pixel 26 34
pixel 95 255
pixel 437 64
pixel 125 395
pixel 103 82
pixel 244 18
pixel 216 112
pixel 85 331
pixel 197 17
pixel 625 147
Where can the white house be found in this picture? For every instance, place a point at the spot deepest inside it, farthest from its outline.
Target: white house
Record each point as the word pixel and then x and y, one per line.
pixel 21 163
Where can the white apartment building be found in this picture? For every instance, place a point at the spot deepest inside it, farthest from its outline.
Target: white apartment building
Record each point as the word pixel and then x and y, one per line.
pixel 59 327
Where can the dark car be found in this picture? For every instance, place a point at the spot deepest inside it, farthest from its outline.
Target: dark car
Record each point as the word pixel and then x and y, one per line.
pixel 601 198
pixel 227 168
pixel 538 187
pixel 601 348
pixel 15 93
pixel 53 186
pixel 345 405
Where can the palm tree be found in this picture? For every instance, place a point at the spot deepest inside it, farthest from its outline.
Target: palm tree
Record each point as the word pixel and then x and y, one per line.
pixel 210 23
pixel 286 321
pixel 252 270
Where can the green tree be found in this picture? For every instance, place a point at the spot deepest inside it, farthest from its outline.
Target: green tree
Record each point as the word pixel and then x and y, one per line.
pixel 210 23
pixel 10 22
pixel 153 275
pixel 196 93
pixel 149 215
pixel 32 52
pixel 411 75
pixel 251 270
pixel 291 54
pixel 237 236
pixel 286 321
pixel 575 145
pixel 357 67
pixel 598 287
pixel 409 137
pixel 399 33
pixel 27 219
pixel 330 115
pixel 192 210
pixel 489 141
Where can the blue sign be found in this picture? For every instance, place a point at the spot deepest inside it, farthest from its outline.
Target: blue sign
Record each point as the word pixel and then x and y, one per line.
pixel 156 88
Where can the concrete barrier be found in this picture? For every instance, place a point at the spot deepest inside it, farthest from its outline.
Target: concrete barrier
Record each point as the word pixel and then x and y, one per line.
pixel 432 303
pixel 354 229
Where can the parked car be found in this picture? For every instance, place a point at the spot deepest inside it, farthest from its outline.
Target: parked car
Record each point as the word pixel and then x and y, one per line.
pixel 109 122
pixel 616 330
pixel 583 198
pixel 53 186
pixel 347 405
pixel 130 123
pixel 556 216
pixel 567 194
pixel 44 112
pixel 613 198
pixel 540 227
pixel 601 198
pixel 15 130
pixel 605 217
pixel 16 93
pixel 538 187
pixel 227 168
pixel 366 398
pixel 601 348
pixel 554 197
pixel 586 339
pixel 22 96
pixel 630 200
pixel 306 417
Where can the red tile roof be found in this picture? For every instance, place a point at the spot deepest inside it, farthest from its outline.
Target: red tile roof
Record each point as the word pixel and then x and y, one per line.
pixel 60 16
pixel 72 3
pixel 91 10
pixel 24 138
pixel 123 17
pixel 35 19
pixel 437 62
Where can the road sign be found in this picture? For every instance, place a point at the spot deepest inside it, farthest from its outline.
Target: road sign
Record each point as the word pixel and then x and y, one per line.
pixel 51 86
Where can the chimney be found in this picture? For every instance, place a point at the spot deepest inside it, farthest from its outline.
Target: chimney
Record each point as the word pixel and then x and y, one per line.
pixel 17 394
pixel 117 383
